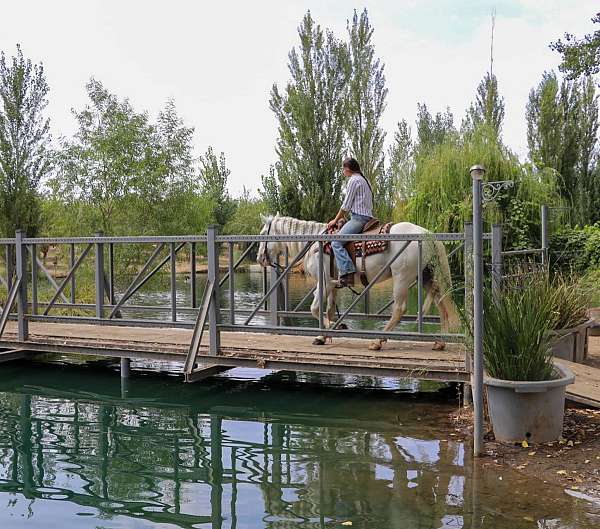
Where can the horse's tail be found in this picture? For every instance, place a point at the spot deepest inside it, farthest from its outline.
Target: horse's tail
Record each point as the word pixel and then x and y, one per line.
pixel 444 287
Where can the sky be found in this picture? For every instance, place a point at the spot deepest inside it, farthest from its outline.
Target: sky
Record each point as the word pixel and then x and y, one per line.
pixel 219 59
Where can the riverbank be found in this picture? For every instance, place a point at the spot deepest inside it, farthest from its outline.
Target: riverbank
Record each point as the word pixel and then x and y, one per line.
pixel 573 462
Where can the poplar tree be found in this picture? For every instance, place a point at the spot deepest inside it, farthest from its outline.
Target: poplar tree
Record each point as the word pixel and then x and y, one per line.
pixel 213 177
pixel 24 142
pixel 488 108
pixel 311 116
pixel 401 166
pixel 366 103
pixel 562 125
pixel 433 130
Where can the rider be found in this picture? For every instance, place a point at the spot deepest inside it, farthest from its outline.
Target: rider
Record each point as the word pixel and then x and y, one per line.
pixel 359 203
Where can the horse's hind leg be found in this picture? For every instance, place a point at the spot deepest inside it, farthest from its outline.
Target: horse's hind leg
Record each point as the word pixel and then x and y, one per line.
pixel 398 310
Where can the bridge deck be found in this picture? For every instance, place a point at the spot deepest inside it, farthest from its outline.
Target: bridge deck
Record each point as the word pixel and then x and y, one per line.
pixel 246 349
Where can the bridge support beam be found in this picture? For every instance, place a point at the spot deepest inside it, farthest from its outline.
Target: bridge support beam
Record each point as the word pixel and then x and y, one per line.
pixel 125 367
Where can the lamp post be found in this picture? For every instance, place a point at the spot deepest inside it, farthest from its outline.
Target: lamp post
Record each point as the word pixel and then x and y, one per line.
pixel 483 192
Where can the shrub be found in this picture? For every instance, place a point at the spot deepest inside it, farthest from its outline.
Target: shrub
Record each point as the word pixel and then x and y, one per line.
pixel 576 249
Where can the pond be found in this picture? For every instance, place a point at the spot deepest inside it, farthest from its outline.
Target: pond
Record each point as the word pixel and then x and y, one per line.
pixel 238 451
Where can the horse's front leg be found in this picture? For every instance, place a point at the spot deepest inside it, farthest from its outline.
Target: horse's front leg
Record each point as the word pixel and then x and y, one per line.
pixel 329 296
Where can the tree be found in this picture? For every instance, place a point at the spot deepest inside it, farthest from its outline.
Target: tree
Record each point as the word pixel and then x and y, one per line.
pixel 562 125
pixel 366 103
pixel 488 108
pixel 432 131
pixel 124 168
pixel 311 116
pixel 24 142
pixel 579 56
pixel 213 176
pixel 401 167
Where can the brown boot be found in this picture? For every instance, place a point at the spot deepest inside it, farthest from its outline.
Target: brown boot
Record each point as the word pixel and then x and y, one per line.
pixel 346 280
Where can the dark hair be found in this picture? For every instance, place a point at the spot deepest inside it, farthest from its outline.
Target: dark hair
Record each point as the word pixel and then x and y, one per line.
pixel 352 164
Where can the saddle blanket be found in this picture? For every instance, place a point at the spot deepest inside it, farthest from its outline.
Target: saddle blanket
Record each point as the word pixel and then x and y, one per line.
pixel 371 247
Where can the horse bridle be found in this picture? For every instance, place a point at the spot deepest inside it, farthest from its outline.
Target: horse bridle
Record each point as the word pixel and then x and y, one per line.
pixel 270 263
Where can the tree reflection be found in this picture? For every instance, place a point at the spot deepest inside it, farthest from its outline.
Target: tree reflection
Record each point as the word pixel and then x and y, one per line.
pixel 228 454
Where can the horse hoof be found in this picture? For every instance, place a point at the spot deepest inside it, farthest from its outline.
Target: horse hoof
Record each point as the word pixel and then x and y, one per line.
pixel 375 346
pixel 319 341
pixel 439 346
pixel 342 327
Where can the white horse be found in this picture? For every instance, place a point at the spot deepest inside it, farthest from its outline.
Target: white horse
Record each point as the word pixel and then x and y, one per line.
pixel 403 271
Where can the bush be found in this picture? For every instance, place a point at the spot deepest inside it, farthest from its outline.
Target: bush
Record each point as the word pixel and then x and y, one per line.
pixel 576 249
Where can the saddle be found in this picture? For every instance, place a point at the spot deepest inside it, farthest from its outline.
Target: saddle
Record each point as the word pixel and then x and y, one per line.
pixel 360 249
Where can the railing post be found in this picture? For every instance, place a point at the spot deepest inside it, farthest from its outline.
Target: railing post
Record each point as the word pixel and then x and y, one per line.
pixel 193 274
pixel 286 281
pixel 231 281
pixel 72 262
pixel 21 255
pixel 321 286
pixel 99 277
pixel 9 266
pixel 214 335
pixel 468 269
pixel 545 245
pixel 477 173
pixel 274 297
pixel 496 259
pixel 173 259
pixel 420 287
pixel 34 278
pixel 111 273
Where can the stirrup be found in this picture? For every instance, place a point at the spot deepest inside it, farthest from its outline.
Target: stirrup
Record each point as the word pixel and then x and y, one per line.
pixel 344 281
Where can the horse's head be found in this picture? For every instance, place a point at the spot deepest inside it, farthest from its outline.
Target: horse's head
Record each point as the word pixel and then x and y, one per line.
pixel 268 251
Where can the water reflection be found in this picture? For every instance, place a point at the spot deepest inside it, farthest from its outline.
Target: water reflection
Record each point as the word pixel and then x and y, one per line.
pixel 241 454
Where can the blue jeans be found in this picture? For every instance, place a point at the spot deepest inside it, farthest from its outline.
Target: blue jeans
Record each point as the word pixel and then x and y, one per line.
pixel 354 225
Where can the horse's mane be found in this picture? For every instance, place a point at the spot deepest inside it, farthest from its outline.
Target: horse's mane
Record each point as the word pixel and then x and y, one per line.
pixel 292 226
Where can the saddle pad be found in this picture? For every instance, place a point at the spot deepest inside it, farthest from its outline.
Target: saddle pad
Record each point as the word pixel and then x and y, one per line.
pixel 372 247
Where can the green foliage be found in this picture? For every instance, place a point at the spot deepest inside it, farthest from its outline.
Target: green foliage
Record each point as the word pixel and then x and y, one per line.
pixel 488 108
pixel 433 130
pixel 121 173
pixel 311 117
pixel 580 56
pixel 571 298
pixel 516 342
pixel 366 103
pixel 576 249
pixel 246 220
pixel 24 143
pixel 213 176
pixel 441 198
pixel 401 168
pixel 562 127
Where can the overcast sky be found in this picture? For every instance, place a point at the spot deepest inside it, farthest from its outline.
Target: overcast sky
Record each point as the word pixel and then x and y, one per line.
pixel 219 59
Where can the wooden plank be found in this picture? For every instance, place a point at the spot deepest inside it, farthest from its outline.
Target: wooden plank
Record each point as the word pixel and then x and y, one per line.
pixel 282 351
pixel 586 389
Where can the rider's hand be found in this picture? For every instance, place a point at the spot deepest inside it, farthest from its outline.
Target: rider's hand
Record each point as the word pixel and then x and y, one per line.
pixel 331 224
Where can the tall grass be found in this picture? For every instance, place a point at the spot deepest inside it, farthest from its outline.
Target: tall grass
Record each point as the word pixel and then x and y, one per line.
pixel 516 343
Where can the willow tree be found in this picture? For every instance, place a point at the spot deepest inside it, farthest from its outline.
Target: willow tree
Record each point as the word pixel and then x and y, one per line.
pixel 24 142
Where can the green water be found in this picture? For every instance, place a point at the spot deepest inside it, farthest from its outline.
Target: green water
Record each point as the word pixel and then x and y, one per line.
pixel 77 451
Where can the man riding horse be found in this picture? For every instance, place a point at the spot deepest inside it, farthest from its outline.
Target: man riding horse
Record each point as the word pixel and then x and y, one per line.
pixel 359 203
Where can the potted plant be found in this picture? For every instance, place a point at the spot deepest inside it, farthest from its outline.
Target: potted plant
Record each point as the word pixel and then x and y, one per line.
pixel 571 319
pixel 525 390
